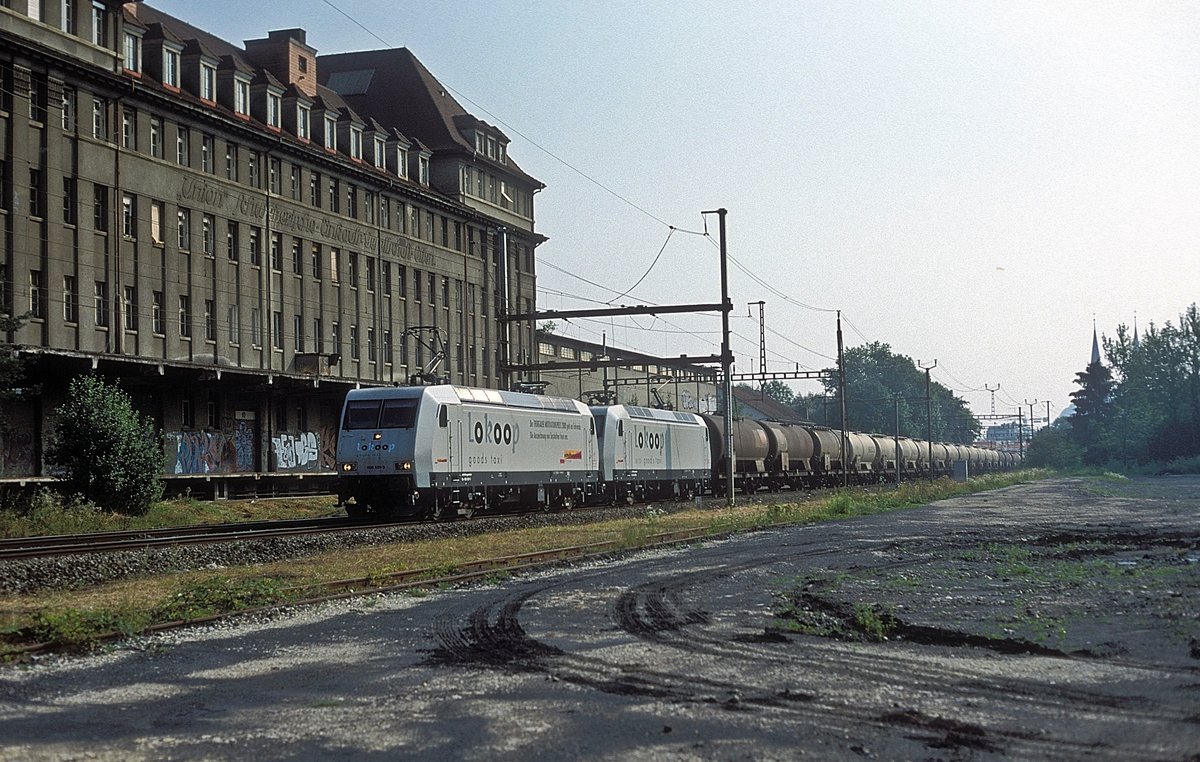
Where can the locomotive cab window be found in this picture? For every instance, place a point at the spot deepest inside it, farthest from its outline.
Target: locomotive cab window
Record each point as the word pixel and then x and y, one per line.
pixel 361 414
pixel 398 414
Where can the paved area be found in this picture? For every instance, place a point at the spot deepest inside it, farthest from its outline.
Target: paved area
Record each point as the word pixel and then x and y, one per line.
pixel 1053 620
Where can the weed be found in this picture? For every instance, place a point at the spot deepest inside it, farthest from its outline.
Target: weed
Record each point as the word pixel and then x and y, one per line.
pixel 876 622
pixel 220 595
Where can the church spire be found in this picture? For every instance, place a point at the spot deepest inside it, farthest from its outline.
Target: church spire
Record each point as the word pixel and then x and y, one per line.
pixel 1095 344
pixel 1136 343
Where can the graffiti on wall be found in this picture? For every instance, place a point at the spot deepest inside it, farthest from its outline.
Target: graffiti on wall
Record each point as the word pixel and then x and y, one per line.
pixel 243 444
pixel 201 452
pixel 17 453
pixel 329 447
pixel 296 452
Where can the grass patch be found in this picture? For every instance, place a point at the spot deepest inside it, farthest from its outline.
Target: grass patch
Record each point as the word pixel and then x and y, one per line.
pixel 74 617
pixel 48 513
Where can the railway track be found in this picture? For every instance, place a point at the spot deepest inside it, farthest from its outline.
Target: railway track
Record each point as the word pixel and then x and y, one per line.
pixel 136 539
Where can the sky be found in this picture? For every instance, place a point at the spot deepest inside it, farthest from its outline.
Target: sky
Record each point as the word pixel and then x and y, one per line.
pixel 968 182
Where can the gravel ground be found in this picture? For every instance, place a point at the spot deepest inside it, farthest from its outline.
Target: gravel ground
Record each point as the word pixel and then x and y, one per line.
pixel 1056 620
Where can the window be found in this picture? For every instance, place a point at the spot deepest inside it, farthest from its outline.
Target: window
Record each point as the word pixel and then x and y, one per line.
pixel 255 247
pixel 185 316
pixel 129 215
pixel 207 148
pixel 99 24
pixel 378 153
pixel 274 179
pixel 70 299
pixel 387 347
pixel 385 213
pixel 70 108
pixel 277 329
pixel 416 285
pixel 231 161
pixel 37 293
pixel 356 143
pixel 333 195
pixel 432 281
pixel 255 180
pixel 68 200
pixel 277 251
pixel 187 414
pixel 274 110
pixel 234 328
pixel 298 333
pixel 352 272
pixel 316 261
pixel 214 419
pixel 156 137
pixel 208 235
pixel 423 164
pixel 295 178
pixel 402 281
pixel 297 256
pixel 99 118
pixel 210 320
pixel 371 344
pixel 445 292
pixel 183 155
pixel 241 96
pixel 157 212
pixel 255 327
pixel 318 341
pixel 37 192
pixel 335 265
pixel 131 309
pixel 184 218
pixel 354 355
pixel 68 16
pixel 303 121
pixel 401 161
pixel 100 208
pixel 314 189
pixel 208 82
pixel 385 277
pixel 370 273
pixel 231 241
pixel 335 336
pixel 129 129
pixel 101 303
pixel 132 60
pixel 156 312
pixel 352 200
pixel 331 132
pixel 170 66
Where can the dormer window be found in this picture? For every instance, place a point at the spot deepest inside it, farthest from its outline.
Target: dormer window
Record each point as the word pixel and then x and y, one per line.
pixel 132 60
pixel 171 66
pixel 479 142
pixel 208 82
pixel 500 157
pixel 380 147
pixel 241 96
pixel 423 164
pixel 356 140
pixel 331 132
pixel 491 148
pixel 303 121
pixel 402 161
pixel 274 110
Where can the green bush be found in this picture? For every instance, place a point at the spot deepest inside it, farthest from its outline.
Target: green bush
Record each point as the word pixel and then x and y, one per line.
pixel 105 450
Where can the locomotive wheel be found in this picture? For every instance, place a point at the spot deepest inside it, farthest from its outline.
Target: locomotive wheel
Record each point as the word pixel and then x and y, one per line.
pixel 566 500
pixel 439 509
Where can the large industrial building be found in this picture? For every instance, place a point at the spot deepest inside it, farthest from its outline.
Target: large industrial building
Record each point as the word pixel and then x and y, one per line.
pixel 238 234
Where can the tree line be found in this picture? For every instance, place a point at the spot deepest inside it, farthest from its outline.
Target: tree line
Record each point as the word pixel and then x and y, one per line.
pixel 880 383
pixel 1142 407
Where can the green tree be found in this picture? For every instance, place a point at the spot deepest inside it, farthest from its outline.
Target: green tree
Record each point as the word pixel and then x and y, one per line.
pixel 779 391
pixel 1053 447
pixel 12 371
pixel 875 376
pixel 106 451
pixel 1090 425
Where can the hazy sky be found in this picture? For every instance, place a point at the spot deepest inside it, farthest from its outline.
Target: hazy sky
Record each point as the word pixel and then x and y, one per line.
pixel 967 181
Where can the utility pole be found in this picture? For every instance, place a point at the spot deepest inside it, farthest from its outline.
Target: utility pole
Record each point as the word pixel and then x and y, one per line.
pixel 1031 404
pixel 726 357
pixel 842 394
pixel 1047 413
pixel 993 392
pixel 896 402
pixel 1021 430
pixel 928 410
pixel 762 343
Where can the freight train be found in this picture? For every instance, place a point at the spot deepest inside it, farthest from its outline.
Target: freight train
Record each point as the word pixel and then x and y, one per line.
pixel 446 451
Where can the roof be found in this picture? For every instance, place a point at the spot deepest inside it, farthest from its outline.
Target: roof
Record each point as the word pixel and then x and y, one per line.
pixel 369 80
pixel 769 407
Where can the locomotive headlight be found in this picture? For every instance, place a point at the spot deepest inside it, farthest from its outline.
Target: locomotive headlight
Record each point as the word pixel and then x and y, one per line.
pixel 348 467
pixel 404 465
pixel 377 435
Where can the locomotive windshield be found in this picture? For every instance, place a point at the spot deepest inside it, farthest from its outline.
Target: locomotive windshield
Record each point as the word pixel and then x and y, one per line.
pixel 380 414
